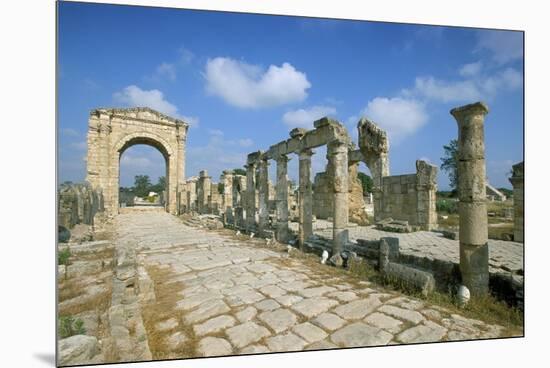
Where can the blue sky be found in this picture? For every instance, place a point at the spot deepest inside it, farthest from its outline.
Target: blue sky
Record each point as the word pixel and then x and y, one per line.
pixel 243 81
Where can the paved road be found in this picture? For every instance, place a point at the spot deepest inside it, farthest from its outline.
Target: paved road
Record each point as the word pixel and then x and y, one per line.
pixel 504 256
pixel 219 294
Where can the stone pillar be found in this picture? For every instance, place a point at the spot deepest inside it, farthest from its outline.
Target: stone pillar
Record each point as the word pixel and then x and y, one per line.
pixel 281 198
pixel 251 196
pixel 517 183
pixel 227 179
pixel 263 196
pixel 374 145
pixel 337 154
pixel 203 191
pixel 305 205
pixel 472 208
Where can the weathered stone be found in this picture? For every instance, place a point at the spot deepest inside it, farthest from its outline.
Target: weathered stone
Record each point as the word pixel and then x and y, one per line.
pixel 382 321
pixel 313 306
pixel 343 296
pixel 288 299
pixel 272 291
pixel 358 308
pixel 405 314
pixel 267 305
pixel 472 194
pixel 246 333
pixel 214 346
pixel 278 320
pixel 246 314
pixel 207 310
pixel 77 349
pixel 285 342
pixel 167 325
pixel 321 345
pixel 309 332
pixel 317 291
pixel 112 131
pixel 427 332
pixel 175 340
pixel 214 325
pixel 329 321
pixel 254 349
pixel 359 334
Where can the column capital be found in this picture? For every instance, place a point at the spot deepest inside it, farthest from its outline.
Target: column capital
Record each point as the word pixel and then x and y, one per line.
pixel 463 112
pixel 306 154
pixel 282 159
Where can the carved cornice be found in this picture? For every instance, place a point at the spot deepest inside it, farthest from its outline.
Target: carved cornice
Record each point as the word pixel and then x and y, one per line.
pixel 122 113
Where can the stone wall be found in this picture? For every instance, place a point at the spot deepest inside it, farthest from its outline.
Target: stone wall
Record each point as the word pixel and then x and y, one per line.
pixel 78 204
pixel 323 196
pixel 517 182
pixel 411 197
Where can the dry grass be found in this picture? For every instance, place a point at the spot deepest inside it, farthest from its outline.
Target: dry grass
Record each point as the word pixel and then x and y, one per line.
pixel 167 295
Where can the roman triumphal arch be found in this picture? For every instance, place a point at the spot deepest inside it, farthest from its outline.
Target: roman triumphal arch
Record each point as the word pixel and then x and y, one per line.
pixel 112 131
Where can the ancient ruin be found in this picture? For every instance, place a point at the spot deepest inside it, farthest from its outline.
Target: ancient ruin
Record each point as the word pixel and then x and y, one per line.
pixel 517 183
pixel 241 288
pixel 474 249
pixel 112 131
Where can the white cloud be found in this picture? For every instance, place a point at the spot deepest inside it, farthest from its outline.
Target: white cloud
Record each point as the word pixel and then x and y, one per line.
pixel 478 86
pixel 68 132
pixel 217 154
pixel 249 86
pixel 135 162
pixel 470 70
pixel 167 71
pixel 81 146
pixel 446 91
pixel 247 142
pixel 304 118
pixel 193 121
pixel 505 46
pixel 186 55
pixel 398 116
pixel 134 96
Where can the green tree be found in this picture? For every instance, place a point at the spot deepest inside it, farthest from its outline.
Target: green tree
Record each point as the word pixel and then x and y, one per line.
pixel 142 185
pixel 449 162
pixel 160 185
pixel 366 182
pixel 239 171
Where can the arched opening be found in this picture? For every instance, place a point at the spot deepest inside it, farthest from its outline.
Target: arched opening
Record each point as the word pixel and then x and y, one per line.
pixel 143 173
pixel 364 176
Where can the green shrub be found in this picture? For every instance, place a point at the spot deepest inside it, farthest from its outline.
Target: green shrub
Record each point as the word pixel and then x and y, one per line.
pixel 63 256
pixel 68 326
pixel 446 205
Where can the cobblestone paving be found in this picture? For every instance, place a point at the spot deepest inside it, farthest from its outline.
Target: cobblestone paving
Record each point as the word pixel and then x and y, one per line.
pixel 504 256
pixel 234 296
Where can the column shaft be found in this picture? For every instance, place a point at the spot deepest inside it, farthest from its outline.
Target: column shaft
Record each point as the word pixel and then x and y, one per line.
pixel 306 197
pixel 263 196
pixel 281 195
pixel 337 154
pixel 473 236
pixel 251 197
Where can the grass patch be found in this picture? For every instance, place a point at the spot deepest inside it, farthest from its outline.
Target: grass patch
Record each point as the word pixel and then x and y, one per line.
pixel 63 256
pixel 69 326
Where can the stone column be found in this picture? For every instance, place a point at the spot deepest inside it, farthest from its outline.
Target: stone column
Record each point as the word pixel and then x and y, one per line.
pixel 227 179
pixel 305 204
pixel 281 197
pixel 517 183
pixel 263 196
pixel 472 208
pixel 203 192
pixel 337 154
pixel 251 196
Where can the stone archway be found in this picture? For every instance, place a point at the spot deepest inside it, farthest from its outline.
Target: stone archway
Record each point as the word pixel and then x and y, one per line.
pixel 112 131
